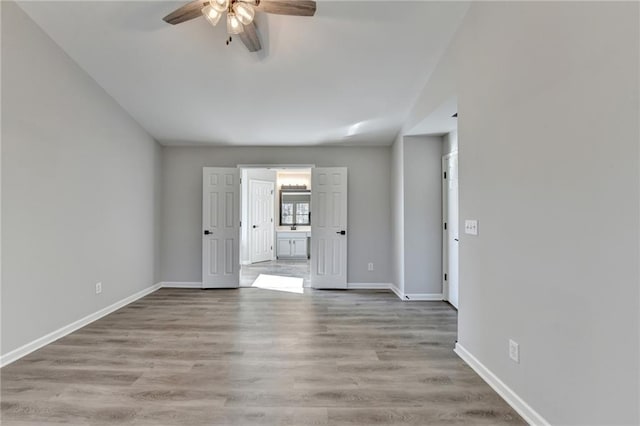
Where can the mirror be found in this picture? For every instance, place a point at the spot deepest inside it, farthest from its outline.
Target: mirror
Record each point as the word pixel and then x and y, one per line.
pixel 295 208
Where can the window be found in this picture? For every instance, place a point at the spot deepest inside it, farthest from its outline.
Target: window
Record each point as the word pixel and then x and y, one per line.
pixel 287 214
pixel 302 213
pixel 295 208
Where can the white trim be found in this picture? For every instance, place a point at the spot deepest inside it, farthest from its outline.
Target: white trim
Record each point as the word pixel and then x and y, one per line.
pixel 422 297
pixel 445 232
pixel 396 291
pixel 276 166
pixel 369 286
pixel 416 297
pixel 530 415
pixel 179 284
pixel 245 263
pixel 24 350
pixel 350 286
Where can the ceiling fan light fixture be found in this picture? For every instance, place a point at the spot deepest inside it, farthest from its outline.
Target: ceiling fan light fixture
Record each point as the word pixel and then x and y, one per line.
pixel 219 5
pixel 212 15
pixel 244 12
pixel 234 26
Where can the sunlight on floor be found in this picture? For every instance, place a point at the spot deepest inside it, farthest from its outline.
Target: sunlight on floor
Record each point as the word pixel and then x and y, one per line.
pixel 278 283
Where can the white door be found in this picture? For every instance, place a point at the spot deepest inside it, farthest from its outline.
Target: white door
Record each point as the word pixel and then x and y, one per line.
pixel 329 227
pixel 450 228
pixel 221 227
pixel 261 213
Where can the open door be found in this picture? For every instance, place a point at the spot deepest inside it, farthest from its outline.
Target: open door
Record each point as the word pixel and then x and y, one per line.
pixel 261 212
pixel 450 236
pixel 329 227
pixel 220 227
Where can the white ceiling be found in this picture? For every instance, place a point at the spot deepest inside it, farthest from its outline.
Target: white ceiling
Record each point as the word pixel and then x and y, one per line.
pixel 349 75
pixel 440 121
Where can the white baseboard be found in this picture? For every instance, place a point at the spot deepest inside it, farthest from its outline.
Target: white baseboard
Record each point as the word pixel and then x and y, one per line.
pixel 25 350
pixel 397 291
pixel 369 286
pixel 180 284
pixel 423 297
pixel 530 415
pixel 350 286
pixel 416 297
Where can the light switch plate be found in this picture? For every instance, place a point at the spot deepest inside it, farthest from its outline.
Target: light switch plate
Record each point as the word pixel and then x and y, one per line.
pixel 471 227
pixel 514 351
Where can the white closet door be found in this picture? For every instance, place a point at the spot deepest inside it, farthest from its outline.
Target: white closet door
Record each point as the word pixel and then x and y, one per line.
pixel 221 227
pixel 329 227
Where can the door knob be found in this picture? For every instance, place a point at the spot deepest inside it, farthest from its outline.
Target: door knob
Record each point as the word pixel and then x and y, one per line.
pixel 255 226
pixel 342 232
pixel 207 232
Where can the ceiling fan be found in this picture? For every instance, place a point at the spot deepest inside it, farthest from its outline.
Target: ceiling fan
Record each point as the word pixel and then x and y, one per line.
pixel 240 15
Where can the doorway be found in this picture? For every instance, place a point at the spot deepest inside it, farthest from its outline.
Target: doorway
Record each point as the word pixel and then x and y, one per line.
pixel 277 210
pixel 450 236
pixel 287 231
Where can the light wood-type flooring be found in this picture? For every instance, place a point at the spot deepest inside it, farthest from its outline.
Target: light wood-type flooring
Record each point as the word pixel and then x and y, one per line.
pixel 280 267
pixel 255 357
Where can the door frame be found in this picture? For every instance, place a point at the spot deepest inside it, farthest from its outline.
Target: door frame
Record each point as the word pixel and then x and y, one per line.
pixel 271 166
pixel 250 218
pixel 275 218
pixel 445 227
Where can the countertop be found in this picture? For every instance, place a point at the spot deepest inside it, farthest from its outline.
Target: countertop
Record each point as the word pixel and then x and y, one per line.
pixel 301 229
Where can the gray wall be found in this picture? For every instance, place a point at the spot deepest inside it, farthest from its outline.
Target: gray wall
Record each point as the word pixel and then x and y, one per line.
pixel 416 163
pixel 397 212
pixel 422 214
pixel 79 190
pixel 549 165
pixel 369 203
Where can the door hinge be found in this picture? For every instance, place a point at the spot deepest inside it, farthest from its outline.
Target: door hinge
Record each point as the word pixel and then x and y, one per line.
pixel 445 226
pixel 272 192
pixel 240 224
pixel 445 277
pixel 445 175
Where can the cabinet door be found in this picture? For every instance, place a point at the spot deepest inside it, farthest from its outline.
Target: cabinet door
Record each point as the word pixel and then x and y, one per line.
pixel 299 247
pixel 284 247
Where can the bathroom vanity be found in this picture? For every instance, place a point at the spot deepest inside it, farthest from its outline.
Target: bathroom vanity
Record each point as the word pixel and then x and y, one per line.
pixel 293 244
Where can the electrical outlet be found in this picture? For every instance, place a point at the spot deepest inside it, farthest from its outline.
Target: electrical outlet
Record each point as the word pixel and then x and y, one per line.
pixel 98 288
pixel 514 351
pixel 370 267
pixel 471 227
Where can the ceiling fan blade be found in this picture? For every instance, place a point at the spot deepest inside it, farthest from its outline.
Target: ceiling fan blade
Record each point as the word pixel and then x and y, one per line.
pixel 288 7
pixel 185 13
pixel 250 37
